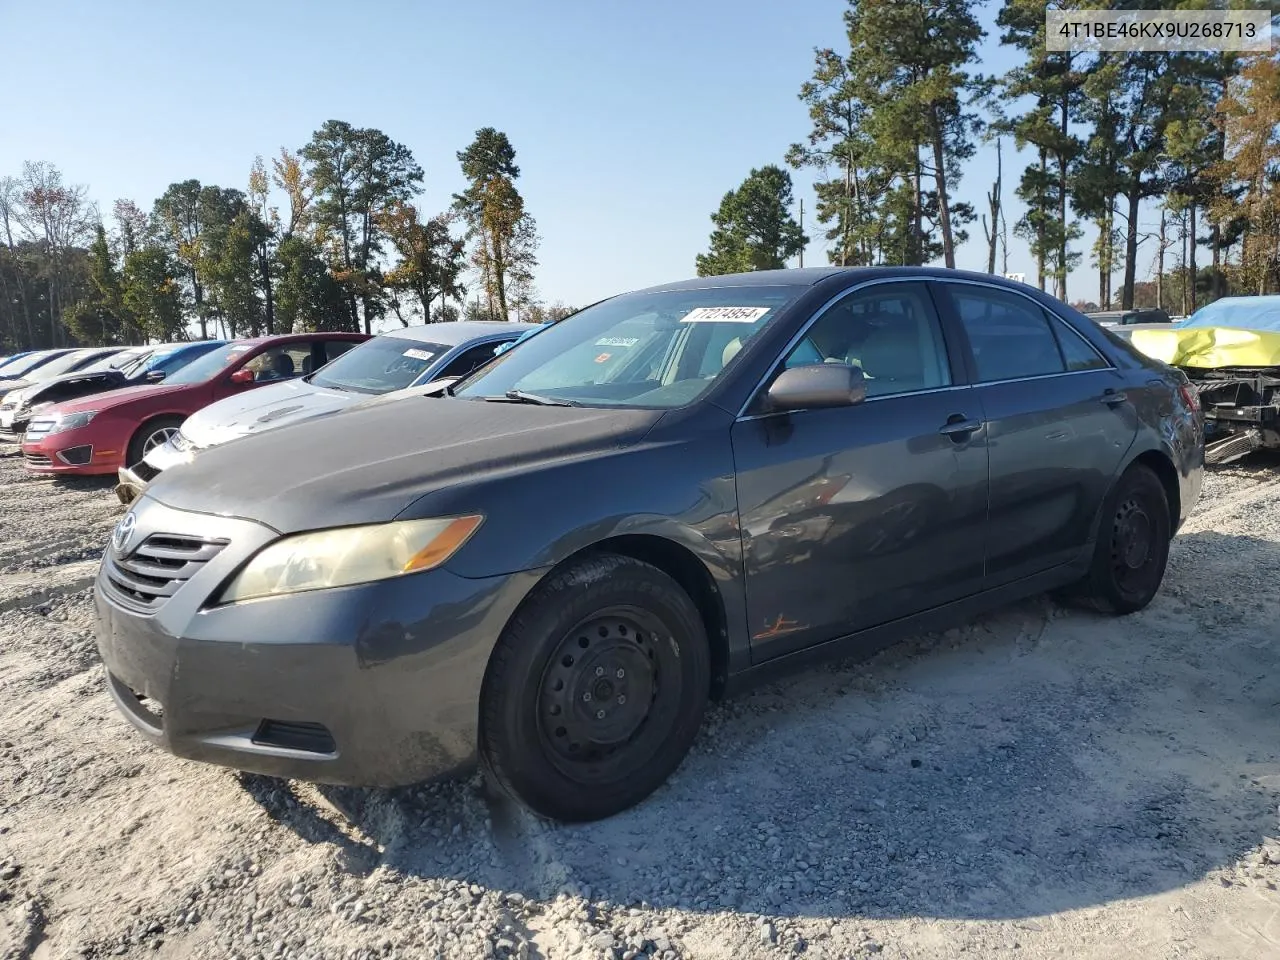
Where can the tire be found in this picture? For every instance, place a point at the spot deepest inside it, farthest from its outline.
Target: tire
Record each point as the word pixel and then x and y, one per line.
pixel 141 443
pixel 565 728
pixel 1132 550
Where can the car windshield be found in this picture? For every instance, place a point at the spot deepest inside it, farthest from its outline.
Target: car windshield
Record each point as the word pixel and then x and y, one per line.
pixel 379 365
pixel 63 364
pixel 112 361
pixel 652 350
pixel 202 368
pixel 19 369
pixel 135 364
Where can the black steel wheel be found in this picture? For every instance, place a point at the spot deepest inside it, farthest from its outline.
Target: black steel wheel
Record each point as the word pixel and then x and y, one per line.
pixel 595 690
pixel 1133 545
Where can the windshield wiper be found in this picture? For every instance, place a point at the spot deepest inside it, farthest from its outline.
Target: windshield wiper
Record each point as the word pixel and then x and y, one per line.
pixel 520 396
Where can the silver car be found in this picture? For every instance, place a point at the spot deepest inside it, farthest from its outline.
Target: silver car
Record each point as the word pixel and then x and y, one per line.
pixel 389 362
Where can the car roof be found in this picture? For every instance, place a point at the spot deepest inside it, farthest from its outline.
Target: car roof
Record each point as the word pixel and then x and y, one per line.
pixel 809 276
pixel 275 337
pixel 453 332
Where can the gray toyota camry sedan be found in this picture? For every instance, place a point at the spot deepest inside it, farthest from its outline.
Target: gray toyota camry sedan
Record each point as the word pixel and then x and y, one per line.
pixel 552 564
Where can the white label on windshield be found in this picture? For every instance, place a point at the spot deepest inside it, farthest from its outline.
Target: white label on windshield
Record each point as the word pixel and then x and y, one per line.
pixel 419 354
pixel 617 342
pixel 725 315
pixel 234 350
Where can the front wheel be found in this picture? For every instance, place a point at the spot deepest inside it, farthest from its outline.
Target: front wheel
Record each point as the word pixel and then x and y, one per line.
pixel 1133 545
pixel 150 435
pixel 595 690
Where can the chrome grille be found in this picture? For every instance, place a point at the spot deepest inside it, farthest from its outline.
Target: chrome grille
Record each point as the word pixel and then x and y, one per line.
pixel 157 569
pixel 37 459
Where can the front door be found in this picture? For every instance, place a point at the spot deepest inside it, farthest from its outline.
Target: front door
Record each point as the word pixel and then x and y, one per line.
pixel 855 516
pixel 1058 427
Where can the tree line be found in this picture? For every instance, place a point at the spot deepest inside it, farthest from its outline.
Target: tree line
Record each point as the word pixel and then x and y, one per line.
pixel 900 108
pixel 347 245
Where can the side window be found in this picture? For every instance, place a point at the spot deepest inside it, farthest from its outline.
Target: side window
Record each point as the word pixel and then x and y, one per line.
pixel 331 349
pixel 1009 334
pixel 890 331
pixel 281 363
pixel 1076 351
pixel 467 361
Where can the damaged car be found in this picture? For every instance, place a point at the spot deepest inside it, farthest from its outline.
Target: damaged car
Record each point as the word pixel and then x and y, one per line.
pixel 551 565
pixel 389 362
pixel 1230 351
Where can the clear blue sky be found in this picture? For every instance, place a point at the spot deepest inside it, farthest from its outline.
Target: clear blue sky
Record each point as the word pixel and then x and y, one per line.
pixel 630 121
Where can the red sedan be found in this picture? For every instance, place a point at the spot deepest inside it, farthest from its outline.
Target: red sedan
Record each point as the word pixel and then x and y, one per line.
pixel 102 433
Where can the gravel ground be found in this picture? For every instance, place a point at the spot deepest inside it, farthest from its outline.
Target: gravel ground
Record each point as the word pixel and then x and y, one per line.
pixel 1040 783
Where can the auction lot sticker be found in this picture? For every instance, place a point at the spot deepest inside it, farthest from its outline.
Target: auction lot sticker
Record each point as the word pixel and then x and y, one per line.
pixel 1157 30
pixel 725 314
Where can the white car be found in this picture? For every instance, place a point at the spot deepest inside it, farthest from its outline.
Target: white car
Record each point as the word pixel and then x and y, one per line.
pixel 389 362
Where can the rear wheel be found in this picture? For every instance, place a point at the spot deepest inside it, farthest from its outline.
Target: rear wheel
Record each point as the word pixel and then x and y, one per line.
pixel 150 435
pixel 1132 551
pixel 595 690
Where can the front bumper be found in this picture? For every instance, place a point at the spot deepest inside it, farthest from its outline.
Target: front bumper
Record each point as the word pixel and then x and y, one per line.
pixel 370 685
pixel 72 451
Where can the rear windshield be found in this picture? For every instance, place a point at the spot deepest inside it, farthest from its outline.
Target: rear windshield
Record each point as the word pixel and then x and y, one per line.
pixel 379 365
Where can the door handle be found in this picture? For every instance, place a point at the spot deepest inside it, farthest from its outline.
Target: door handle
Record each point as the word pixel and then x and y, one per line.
pixel 1113 397
pixel 958 427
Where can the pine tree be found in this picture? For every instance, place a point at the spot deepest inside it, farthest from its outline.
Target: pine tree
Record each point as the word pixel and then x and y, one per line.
pixel 754 229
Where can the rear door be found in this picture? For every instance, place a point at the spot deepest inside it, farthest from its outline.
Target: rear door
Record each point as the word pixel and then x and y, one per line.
pixel 854 516
pixel 1058 426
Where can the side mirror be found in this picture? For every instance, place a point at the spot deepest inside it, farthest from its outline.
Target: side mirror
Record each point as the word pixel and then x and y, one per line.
pixel 155 376
pixel 242 376
pixel 817 385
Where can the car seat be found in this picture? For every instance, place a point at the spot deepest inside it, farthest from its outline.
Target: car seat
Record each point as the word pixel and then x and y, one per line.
pixel 730 351
pixel 890 356
pixel 281 368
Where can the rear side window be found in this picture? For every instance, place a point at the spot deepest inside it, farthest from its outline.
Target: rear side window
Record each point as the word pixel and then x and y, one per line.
pixel 1010 335
pixel 1078 354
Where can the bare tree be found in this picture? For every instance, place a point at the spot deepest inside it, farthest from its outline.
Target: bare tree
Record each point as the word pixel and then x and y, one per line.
pixel 993 204
pixel 56 217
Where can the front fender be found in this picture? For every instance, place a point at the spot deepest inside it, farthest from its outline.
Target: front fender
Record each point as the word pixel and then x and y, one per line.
pixel 681 491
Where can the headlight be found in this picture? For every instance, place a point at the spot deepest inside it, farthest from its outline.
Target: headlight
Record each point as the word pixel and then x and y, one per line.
pixel 73 421
pixel 347 555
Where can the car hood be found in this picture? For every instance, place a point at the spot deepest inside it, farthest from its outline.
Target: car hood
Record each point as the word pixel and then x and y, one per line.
pixel 118 398
pixel 369 464
pixel 97 378
pixel 263 409
pixel 15 384
pixel 1210 347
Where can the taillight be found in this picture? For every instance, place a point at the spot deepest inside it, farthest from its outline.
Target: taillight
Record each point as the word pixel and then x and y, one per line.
pixel 1190 396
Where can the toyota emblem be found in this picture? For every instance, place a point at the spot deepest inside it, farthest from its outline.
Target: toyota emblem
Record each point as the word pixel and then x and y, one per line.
pixel 123 532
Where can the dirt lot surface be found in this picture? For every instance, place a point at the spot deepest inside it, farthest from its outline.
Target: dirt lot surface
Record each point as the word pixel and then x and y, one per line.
pixel 1042 783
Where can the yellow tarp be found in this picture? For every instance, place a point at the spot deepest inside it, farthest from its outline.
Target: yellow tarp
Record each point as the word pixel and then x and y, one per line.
pixel 1210 347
